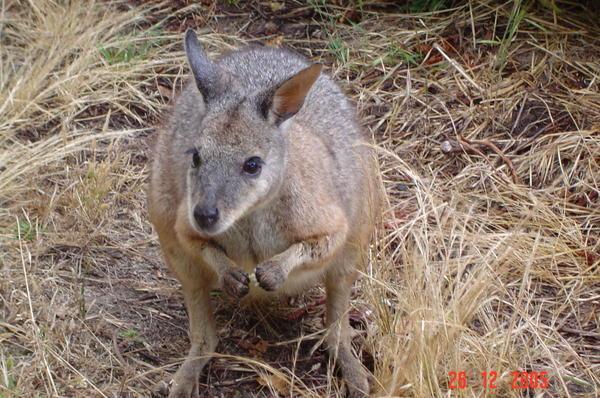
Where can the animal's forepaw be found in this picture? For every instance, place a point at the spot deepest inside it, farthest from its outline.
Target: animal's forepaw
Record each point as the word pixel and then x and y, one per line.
pixel 236 283
pixel 270 275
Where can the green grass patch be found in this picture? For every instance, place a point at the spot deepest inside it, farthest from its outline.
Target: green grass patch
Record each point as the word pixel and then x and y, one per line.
pixel 338 49
pixel 516 16
pixel 133 48
pixel 7 380
pixel 25 230
pixel 131 335
pixel 395 54
pixel 420 6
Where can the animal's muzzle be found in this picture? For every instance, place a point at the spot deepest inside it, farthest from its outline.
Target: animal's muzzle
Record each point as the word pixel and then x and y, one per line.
pixel 206 217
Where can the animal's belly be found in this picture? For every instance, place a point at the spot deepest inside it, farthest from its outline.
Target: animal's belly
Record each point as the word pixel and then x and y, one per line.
pixel 300 280
pixel 254 246
pixel 246 262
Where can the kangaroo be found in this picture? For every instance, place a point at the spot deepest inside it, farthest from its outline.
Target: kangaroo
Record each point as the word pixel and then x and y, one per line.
pixel 262 171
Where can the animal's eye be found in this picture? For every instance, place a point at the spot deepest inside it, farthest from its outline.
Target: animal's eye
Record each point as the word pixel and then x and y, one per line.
pixel 195 160
pixel 253 165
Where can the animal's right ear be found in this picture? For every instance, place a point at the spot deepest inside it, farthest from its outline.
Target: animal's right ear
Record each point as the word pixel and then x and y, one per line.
pixel 284 101
pixel 210 80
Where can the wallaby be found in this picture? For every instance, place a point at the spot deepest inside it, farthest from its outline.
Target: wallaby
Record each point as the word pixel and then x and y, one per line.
pixel 262 170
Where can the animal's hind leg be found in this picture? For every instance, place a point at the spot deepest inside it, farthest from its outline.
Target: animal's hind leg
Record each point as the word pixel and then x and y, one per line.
pixel 338 286
pixel 203 340
pixel 195 282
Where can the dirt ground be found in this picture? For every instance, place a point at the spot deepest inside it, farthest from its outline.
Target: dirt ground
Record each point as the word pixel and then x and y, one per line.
pixel 486 118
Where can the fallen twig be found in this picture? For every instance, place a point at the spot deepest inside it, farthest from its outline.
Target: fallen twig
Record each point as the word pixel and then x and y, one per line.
pixel 477 147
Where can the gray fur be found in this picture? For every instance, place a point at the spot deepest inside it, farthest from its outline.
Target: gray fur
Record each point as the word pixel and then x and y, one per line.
pixel 307 217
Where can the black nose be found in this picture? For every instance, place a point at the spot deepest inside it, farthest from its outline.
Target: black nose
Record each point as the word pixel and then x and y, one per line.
pixel 206 217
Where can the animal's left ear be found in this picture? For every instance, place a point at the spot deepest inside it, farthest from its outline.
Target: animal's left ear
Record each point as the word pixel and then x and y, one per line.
pixel 210 79
pixel 285 100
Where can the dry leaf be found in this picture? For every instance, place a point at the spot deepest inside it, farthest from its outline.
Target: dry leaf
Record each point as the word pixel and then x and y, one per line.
pixel 276 41
pixel 255 346
pixel 165 91
pixel 276 6
pixel 275 383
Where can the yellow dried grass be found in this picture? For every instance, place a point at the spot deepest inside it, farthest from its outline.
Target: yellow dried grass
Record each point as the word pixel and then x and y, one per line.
pixel 472 269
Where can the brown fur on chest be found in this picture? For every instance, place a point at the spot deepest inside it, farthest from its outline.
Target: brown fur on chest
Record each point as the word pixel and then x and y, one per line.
pixel 254 239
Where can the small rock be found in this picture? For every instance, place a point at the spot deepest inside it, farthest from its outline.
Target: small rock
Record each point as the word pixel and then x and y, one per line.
pixel 401 187
pixel 271 28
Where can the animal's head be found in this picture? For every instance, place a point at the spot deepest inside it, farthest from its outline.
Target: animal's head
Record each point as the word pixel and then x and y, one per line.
pixel 237 159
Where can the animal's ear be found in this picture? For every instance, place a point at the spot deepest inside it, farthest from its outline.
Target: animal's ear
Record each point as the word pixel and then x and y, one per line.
pixel 285 100
pixel 210 80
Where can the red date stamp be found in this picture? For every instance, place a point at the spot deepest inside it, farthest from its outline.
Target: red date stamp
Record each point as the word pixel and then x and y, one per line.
pixel 459 380
pixel 533 380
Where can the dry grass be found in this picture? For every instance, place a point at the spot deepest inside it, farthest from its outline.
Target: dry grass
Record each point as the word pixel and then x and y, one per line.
pixel 487 117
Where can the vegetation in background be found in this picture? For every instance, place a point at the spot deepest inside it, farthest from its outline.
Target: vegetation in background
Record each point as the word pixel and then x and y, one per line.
pixel 514 21
pixel 419 6
pixel 487 258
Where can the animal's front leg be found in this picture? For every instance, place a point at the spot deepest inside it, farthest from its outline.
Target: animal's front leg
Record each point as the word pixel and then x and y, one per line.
pixel 272 273
pixel 234 281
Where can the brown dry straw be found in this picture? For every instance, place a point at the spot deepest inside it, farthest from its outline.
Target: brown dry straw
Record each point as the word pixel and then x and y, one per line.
pixel 487 119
